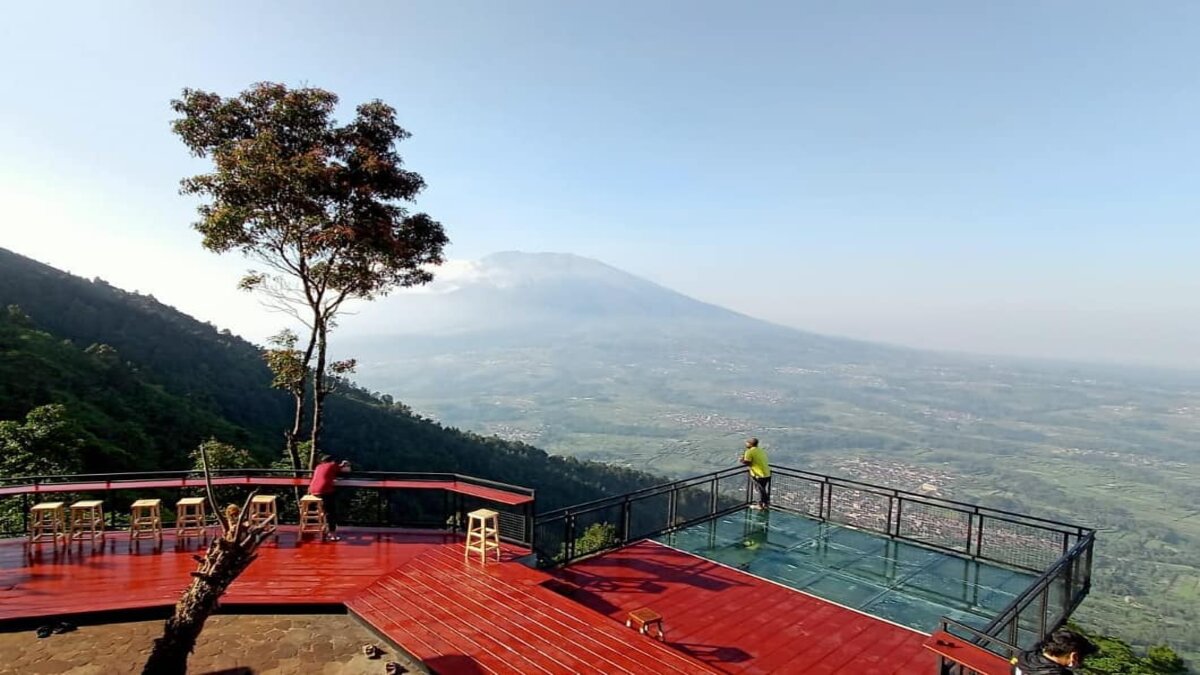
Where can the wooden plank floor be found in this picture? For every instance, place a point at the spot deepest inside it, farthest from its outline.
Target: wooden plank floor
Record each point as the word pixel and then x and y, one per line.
pixel 739 623
pixel 38 581
pixel 463 617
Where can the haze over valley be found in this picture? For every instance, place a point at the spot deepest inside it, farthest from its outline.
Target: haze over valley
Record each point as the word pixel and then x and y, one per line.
pixel 577 357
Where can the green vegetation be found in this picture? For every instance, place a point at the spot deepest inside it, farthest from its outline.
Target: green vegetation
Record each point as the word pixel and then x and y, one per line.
pixel 166 382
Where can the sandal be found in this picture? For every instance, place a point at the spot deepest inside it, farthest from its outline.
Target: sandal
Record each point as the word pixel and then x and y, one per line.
pixel 44 631
pixel 371 651
pixel 64 627
pixel 391 668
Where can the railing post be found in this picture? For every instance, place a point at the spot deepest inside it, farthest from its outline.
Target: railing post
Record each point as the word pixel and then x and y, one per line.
pixel 570 542
pixel 626 509
pixel 530 527
pixel 979 537
pixel 671 507
pixel 970 528
pixel 712 497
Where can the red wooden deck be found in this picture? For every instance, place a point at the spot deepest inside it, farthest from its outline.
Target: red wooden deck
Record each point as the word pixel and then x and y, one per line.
pixel 457 615
pixel 38 581
pixel 463 617
pixel 739 623
pixel 460 616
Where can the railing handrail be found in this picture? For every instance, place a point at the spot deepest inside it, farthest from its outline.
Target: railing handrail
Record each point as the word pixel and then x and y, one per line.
pixel 252 472
pixel 1077 530
pixel 641 492
pixel 1040 584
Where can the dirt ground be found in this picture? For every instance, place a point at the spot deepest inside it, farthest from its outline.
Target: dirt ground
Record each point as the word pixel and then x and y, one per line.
pixel 229 645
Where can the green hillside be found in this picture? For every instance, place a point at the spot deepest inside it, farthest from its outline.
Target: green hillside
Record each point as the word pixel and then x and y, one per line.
pixel 145 384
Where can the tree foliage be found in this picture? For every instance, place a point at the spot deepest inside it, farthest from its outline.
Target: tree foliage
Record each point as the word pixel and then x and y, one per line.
pixel 321 206
pixel 47 441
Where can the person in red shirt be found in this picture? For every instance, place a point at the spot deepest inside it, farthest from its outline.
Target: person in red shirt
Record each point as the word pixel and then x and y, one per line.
pixel 323 485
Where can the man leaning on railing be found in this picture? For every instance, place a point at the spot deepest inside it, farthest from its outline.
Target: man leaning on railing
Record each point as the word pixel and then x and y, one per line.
pixel 756 458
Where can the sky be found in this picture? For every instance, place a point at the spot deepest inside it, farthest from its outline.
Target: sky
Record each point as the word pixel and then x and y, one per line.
pixel 1012 178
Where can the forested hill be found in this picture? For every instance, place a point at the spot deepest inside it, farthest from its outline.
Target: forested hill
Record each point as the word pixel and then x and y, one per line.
pixel 145 383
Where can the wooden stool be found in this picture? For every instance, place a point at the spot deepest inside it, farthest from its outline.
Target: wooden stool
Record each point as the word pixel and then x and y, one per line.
pixel 190 517
pixel 262 510
pixel 642 619
pixel 145 519
pixel 312 515
pixel 87 520
pixel 47 523
pixel 483 533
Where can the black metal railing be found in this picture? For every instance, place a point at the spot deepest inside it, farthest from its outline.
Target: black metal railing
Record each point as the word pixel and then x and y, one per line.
pixel 1060 553
pixel 368 498
pixel 1046 604
pixel 977 532
pixel 565 535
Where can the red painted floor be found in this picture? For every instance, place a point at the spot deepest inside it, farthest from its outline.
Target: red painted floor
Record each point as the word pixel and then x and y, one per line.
pixel 38 581
pixel 462 617
pixel 738 623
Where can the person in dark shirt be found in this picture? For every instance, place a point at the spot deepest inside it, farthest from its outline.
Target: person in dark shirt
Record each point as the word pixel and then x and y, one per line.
pixel 323 485
pixel 1057 655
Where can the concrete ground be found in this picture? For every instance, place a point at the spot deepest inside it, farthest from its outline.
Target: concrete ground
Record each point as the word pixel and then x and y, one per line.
pixel 229 645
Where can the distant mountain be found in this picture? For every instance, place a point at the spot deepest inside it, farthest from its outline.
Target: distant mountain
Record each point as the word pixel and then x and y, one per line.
pixel 146 383
pixel 583 359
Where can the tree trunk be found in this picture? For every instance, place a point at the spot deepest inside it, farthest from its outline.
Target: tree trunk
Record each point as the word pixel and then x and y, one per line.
pixel 290 435
pixel 320 389
pixel 227 556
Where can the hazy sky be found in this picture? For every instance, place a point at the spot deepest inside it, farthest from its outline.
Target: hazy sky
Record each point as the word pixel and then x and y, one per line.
pixel 1018 177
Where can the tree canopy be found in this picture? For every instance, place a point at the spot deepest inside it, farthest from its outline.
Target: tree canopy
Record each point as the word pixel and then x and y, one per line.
pixel 321 206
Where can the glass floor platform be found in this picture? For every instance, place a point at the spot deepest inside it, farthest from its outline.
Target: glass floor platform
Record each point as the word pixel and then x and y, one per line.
pixel 906 584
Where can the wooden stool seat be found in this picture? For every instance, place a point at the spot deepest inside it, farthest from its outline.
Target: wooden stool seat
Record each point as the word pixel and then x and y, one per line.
pixel 312 515
pixel 645 618
pixel 262 510
pixel 145 519
pixel 190 517
pixel 47 523
pixel 87 520
pixel 483 533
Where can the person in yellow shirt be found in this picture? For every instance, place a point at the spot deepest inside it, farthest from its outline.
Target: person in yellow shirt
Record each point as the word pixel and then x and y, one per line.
pixel 756 458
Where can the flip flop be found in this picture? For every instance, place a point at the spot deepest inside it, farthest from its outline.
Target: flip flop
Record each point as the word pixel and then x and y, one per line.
pixel 44 631
pixel 64 627
pixel 371 651
pixel 391 668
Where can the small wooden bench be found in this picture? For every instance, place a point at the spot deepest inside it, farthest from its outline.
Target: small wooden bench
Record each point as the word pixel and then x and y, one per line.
pixel 971 656
pixel 645 618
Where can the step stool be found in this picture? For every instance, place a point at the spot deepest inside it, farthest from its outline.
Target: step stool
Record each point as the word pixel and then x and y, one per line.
pixel 483 533
pixel 312 515
pixel 145 519
pixel 262 511
pixel 47 523
pixel 87 520
pixel 645 618
pixel 190 518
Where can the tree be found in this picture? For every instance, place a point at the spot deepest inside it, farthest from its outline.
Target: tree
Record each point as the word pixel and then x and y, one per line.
pixel 320 206
pixel 46 442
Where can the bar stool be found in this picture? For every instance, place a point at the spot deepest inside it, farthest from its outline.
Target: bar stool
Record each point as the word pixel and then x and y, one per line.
pixel 262 511
pixel 312 515
pixel 190 517
pixel 47 523
pixel 145 520
pixel 87 520
pixel 483 533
